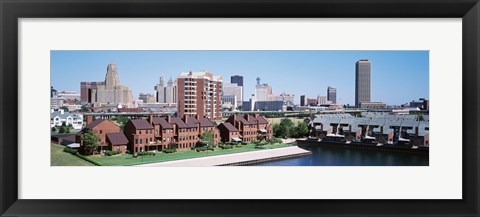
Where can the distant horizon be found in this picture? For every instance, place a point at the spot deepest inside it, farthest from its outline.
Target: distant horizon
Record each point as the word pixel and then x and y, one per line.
pixel 398 77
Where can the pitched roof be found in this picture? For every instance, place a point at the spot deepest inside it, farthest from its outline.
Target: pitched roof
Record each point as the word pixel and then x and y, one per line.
pixel 163 122
pixel 95 123
pixel 251 119
pixel 64 115
pixel 179 122
pixel 205 122
pixel 192 122
pixel 228 126
pixel 243 120
pixel 262 120
pixel 141 124
pixel 117 138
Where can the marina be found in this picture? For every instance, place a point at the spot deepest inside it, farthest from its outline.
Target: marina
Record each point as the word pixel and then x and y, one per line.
pixel 370 146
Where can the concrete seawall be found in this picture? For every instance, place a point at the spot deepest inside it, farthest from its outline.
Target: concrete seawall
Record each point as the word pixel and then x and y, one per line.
pixel 239 159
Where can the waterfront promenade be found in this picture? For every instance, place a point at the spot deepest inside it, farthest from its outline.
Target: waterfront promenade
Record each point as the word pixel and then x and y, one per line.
pixel 244 158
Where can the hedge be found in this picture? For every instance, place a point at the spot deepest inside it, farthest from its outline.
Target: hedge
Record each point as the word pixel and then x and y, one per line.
pixel 89 160
pixel 170 150
pixel 146 153
pixel 69 150
pixel 226 146
pixel 110 153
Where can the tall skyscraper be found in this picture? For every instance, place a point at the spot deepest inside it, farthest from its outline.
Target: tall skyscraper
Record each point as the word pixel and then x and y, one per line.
pixel 199 93
pixel 230 90
pixel 108 92
pixel 262 91
pixel 332 94
pixel 160 88
pixel 237 79
pixel 171 91
pixel 166 94
pixel 303 101
pixel 362 81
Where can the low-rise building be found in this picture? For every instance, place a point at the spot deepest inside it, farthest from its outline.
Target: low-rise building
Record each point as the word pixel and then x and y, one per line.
pixel 60 117
pixel 251 128
pixel 141 137
pixel 229 133
pixel 117 142
pixel 102 128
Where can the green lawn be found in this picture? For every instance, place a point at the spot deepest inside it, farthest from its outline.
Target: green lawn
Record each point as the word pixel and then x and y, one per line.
pixel 127 159
pixel 60 158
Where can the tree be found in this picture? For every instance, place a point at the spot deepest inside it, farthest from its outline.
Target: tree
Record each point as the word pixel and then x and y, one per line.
pixel 54 129
pixel 84 109
pixel 285 129
pixel 90 142
pixel 122 120
pixel 207 138
pixel 301 130
pixel 64 108
pixel 67 130
pixel 62 129
pixel 64 124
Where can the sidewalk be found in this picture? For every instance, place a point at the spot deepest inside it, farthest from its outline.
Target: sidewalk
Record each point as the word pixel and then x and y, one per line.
pixel 231 158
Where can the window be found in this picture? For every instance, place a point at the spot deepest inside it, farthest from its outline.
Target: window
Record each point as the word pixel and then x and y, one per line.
pixel 156 131
pixel 101 131
pixel 141 141
pixel 151 140
pixel 140 132
pixel 136 141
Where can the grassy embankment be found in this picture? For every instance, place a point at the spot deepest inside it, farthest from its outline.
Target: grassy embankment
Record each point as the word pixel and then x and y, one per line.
pixel 128 159
pixel 60 158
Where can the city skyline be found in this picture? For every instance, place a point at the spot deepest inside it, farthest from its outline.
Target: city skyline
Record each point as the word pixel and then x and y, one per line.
pixel 313 71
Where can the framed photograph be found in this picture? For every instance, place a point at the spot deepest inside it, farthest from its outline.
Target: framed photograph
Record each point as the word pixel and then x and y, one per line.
pixel 231 108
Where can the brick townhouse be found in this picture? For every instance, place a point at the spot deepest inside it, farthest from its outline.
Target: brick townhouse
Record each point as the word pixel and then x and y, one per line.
pixel 164 131
pixel 186 136
pixel 185 133
pixel 141 137
pixel 204 124
pixel 111 137
pixel 229 133
pixel 251 128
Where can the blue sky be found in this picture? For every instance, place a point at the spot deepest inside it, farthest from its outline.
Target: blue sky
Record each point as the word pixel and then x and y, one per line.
pixel 397 76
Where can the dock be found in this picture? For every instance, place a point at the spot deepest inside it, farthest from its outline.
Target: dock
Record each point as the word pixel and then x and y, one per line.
pixel 238 159
pixel 367 146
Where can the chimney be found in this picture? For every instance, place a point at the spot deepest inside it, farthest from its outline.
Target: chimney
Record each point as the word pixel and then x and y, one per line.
pixel 150 119
pixel 61 111
pixel 185 117
pixel 89 119
pixel 169 119
pixel 257 115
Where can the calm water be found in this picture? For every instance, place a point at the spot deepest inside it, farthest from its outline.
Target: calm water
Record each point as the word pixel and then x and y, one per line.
pixel 331 156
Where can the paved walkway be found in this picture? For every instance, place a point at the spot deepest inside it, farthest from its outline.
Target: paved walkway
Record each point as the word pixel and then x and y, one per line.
pixel 232 158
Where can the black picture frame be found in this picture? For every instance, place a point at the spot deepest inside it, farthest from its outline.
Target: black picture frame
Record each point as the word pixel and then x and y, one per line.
pixel 12 10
